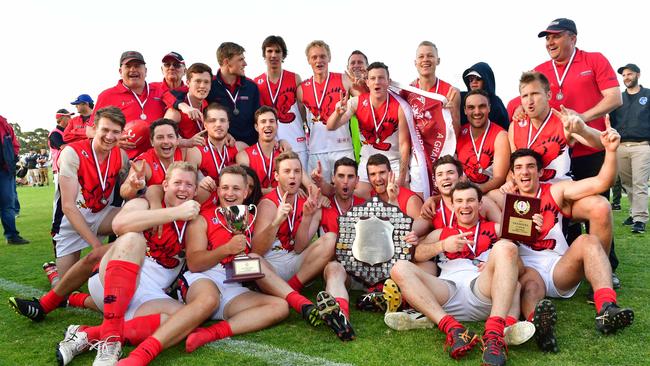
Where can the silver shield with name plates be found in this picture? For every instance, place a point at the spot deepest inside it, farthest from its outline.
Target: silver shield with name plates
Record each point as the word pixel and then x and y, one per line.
pixel 371 240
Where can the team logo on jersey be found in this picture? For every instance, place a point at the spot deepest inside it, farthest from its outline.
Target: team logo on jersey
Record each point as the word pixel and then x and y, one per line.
pixel 523 123
pixel 643 100
pixel 254 152
pixel 205 148
pixel 85 154
pixel 215 220
pixel 260 81
pixel 307 83
pixel 155 166
pixel 365 103
pixel 521 207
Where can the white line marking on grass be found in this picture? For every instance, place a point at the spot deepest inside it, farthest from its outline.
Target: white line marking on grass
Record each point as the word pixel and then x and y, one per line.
pixel 268 354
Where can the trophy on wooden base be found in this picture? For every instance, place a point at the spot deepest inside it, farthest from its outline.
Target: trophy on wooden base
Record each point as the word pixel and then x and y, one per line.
pixel 517 223
pixel 242 268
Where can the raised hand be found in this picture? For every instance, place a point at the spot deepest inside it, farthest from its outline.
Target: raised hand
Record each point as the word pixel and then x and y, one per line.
pixel 124 143
pixel 342 106
pixel 208 184
pixel 571 120
pixel 508 187
pixel 137 177
pixel 392 189
pixel 610 137
pixel 317 175
pixel 193 113
pixel 456 243
pixel 187 211
pixel 198 139
pixel 283 210
pixel 311 204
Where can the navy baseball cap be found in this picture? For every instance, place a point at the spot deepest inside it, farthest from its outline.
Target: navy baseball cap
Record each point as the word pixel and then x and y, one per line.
pixel 83 98
pixel 63 113
pixel 631 67
pixel 174 55
pixel 130 56
pixel 559 25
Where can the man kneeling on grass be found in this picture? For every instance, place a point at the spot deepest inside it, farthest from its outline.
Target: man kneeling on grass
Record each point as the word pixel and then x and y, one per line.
pixel 478 279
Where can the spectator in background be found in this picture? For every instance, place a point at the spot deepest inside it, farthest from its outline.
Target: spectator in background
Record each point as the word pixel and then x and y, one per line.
pixel 32 170
pixel 42 165
pixel 56 139
pixel 10 148
pixel 632 120
pixel 75 130
pixel 480 76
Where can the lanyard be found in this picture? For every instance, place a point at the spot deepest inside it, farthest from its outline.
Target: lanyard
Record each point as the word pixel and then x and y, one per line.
pixel 530 130
pixel 277 92
pixel 374 119
pixel 444 215
pixel 223 157
pixel 480 148
pixel 267 170
pixel 290 220
pixel 319 102
pixel 566 70
pixel 102 179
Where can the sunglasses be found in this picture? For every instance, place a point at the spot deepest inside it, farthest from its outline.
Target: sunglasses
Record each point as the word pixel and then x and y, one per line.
pixel 176 65
pixel 472 78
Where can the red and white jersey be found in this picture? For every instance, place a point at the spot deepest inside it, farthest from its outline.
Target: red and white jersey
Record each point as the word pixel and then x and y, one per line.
pixel 551 238
pixel 320 102
pixel 289 227
pixel 219 235
pixel 214 159
pixel 91 195
pixel 549 141
pixel 379 133
pixel 329 221
pixel 188 127
pixel 282 96
pixel 158 170
pixel 485 235
pixel 167 249
pixel 443 217
pixel 477 155
pixel 263 165
pixel 403 197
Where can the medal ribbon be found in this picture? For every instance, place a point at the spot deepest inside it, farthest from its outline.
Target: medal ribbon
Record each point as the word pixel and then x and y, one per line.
pixel 374 119
pixel 102 179
pixel 268 171
pixel 291 221
pixel 138 99
pixel 444 215
pixel 480 148
pixel 180 234
pixel 277 92
pixel 530 130
pixel 566 70
pixel 223 157
pixel 319 102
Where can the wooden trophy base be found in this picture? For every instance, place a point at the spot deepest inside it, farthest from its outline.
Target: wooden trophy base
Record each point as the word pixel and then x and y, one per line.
pixel 243 269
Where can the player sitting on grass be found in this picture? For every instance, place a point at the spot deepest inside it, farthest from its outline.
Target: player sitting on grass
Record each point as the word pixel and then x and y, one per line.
pixel 552 267
pixel 478 279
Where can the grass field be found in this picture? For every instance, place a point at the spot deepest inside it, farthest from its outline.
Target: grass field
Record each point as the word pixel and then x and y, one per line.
pixel 23 342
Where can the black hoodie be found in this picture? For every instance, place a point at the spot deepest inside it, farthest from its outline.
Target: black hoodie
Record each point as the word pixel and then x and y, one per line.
pixel 498 112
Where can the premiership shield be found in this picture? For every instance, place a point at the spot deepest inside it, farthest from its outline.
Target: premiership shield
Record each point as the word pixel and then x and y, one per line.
pixel 370 240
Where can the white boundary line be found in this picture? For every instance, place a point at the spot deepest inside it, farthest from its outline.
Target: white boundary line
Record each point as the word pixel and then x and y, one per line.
pixel 269 354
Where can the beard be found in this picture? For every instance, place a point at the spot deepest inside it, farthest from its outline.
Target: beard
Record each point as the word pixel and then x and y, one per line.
pixel 632 83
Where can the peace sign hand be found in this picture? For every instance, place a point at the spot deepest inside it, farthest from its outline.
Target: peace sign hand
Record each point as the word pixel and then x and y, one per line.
pixel 283 210
pixel 342 105
pixel 137 177
pixel 311 204
pixel 456 243
pixel 571 120
pixel 392 188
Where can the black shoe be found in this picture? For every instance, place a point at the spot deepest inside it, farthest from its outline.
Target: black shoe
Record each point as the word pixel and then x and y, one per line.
pixel 629 221
pixel 310 315
pixel 544 320
pixel 611 318
pixel 616 206
pixel 31 309
pixel 460 341
pixel 372 301
pixel 638 227
pixel 17 240
pixel 494 350
pixel 330 312
pixel 616 282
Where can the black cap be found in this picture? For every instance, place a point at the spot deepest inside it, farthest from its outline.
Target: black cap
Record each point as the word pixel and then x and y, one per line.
pixel 174 55
pixel 631 67
pixel 559 25
pixel 63 112
pixel 130 56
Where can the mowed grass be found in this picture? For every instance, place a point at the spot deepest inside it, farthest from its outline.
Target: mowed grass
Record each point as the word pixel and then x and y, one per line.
pixel 23 342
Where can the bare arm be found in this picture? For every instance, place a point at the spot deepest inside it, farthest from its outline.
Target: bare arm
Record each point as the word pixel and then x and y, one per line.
pixel 612 99
pixel 345 109
pixel 266 228
pixel 428 247
pixel 137 217
pixel 404 148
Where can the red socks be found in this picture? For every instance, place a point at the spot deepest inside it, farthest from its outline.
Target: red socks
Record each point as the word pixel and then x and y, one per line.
pixel 119 286
pixel 77 299
pixel 295 283
pixel 495 324
pixel 296 301
pixel 510 320
pixel 50 301
pixel 138 329
pixel 201 336
pixel 143 354
pixel 344 305
pixel 603 295
pixel 447 323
